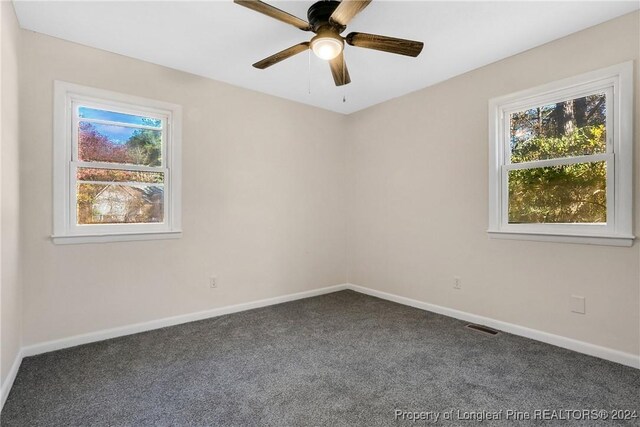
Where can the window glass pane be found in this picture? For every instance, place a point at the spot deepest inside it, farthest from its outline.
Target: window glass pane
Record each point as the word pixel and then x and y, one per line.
pixel 119 144
pixel 94 113
pixel 119 175
pixel 116 204
pixel 572 128
pixel 559 194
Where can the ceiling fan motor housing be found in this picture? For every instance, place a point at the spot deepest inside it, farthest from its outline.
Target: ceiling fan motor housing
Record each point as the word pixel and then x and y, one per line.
pixel 328 19
pixel 319 13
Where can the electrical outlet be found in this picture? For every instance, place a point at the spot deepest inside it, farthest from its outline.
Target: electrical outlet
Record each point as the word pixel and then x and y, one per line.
pixel 577 304
pixel 457 283
pixel 213 282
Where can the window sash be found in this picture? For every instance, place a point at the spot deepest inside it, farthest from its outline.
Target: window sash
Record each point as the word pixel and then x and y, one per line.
pixel 568 228
pixel 118 166
pixel 78 102
pixel 75 163
pixel 503 139
pixel 506 111
pixel 122 227
pixel 560 161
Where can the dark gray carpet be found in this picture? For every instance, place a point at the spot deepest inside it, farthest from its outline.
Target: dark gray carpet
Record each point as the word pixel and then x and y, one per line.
pixel 343 359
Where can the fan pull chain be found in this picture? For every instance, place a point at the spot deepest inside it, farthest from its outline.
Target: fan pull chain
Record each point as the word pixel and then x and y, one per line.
pixel 344 77
pixel 309 88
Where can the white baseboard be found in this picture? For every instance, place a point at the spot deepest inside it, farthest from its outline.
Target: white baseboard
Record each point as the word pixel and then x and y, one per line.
pixel 8 383
pixel 627 359
pixel 568 343
pixel 105 334
pixel 606 353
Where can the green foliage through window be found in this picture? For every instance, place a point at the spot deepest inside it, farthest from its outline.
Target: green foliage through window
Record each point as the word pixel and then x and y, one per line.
pixel 573 193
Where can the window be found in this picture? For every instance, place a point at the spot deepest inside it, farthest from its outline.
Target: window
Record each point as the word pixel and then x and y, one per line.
pixel 116 166
pixel 561 160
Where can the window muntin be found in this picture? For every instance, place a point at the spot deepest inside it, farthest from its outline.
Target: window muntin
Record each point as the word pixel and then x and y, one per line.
pixel 564 180
pixel 116 166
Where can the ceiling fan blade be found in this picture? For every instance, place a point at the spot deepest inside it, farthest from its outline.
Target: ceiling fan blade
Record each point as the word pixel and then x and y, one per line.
pixel 339 70
pixel 386 44
pixel 282 55
pixel 347 10
pixel 275 13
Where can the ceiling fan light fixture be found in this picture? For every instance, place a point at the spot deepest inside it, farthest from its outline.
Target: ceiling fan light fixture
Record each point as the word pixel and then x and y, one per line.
pixel 326 46
pixel 328 19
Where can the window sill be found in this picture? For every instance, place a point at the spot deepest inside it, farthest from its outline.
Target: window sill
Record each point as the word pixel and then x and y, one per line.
pixel 608 240
pixel 106 238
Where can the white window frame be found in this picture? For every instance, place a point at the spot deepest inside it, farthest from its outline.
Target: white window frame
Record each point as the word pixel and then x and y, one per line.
pixel 67 96
pixel 617 82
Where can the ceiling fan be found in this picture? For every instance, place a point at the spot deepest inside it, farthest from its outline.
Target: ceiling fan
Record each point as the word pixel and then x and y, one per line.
pixel 328 19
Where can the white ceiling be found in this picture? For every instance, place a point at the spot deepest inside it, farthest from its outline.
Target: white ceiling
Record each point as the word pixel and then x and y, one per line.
pixel 220 40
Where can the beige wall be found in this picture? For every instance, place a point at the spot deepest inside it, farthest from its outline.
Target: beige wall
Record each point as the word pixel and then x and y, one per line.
pixel 419 213
pixel 280 198
pixel 10 295
pixel 263 201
